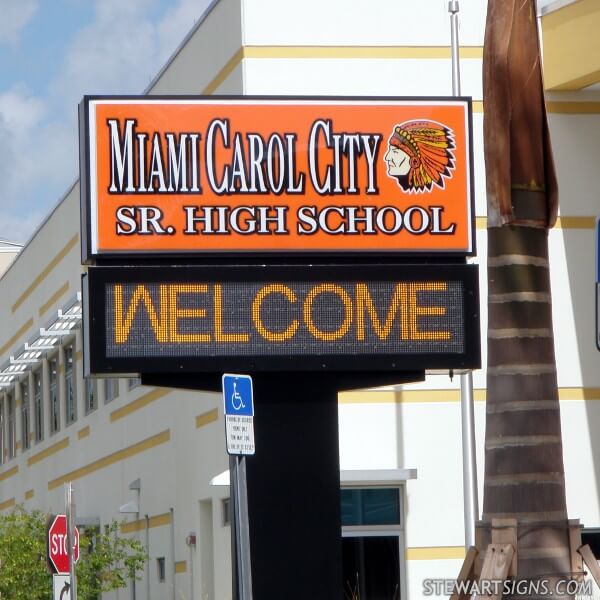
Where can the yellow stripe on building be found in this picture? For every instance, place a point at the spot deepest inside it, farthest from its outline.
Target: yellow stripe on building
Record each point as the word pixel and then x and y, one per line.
pixel 140 524
pixel 358 52
pixel 575 222
pixel 208 417
pixel 138 404
pixel 339 52
pixel 181 566
pixel 565 394
pixel 573 108
pixel 46 271
pixel 7 504
pixel 573 393
pixel 562 222
pixel 63 289
pixel 10 473
pixel 571 46
pixel 405 396
pixel 436 553
pixel 57 447
pixel 224 73
pixel 111 459
pixel 15 338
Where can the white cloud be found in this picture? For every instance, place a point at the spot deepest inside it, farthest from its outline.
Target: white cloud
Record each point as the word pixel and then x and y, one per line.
pixel 19 110
pixel 123 49
pixel 20 117
pixel 15 15
pixel 117 53
pixel 113 55
pixel 37 157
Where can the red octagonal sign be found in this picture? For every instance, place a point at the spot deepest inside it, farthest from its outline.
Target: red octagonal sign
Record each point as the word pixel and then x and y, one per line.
pixel 58 550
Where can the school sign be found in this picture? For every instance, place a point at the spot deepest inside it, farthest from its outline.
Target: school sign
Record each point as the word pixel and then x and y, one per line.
pixel 300 233
pixel 169 176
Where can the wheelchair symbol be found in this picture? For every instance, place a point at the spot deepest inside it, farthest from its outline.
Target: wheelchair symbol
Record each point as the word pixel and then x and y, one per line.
pixel 236 399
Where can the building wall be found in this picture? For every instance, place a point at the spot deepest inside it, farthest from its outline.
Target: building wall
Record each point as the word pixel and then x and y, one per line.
pixel 8 253
pixel 173 440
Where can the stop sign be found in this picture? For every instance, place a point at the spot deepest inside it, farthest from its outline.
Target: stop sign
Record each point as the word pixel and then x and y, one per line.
pixel 58 549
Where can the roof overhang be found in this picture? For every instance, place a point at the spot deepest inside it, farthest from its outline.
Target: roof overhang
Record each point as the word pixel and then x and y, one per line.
pixel 31 354
pixel 571 44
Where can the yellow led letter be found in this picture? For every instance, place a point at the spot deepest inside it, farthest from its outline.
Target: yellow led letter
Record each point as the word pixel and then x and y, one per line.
pixel 123 321
pixel 273 336
pixel 340 292
pixel 417 311
pixel 364 303
pixel 176 313
pixel 219 335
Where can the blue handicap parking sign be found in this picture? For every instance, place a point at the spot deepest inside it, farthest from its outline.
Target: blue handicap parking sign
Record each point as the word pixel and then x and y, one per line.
pixel 237 395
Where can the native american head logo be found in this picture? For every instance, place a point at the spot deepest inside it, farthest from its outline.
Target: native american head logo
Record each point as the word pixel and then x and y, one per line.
pixel 420 155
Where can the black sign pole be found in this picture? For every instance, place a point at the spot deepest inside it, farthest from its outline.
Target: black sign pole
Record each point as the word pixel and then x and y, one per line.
pixel 294 488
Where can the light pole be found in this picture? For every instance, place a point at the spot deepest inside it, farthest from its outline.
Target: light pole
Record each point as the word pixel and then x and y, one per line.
pixel 133 507
pixel 190 540
pixel 470 500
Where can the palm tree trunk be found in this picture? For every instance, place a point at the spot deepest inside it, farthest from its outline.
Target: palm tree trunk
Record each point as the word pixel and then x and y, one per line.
pixel 524 472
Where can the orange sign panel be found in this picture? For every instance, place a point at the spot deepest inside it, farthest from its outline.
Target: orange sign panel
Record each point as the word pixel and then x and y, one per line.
pixel 215 176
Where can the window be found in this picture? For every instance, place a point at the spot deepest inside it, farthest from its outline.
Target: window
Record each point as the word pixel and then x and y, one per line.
pixel 91 395
pixel 111 389
pixel 134 382
pixel 38 410
pixel 12 425
pixel 160 568
pixel 70 395
pixel 25 427
pixel 53 398
pixel 226 512
pixel 370 506
pixel 372 542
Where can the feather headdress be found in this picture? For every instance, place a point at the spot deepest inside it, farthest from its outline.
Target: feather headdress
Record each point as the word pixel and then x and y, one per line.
pixel 429 146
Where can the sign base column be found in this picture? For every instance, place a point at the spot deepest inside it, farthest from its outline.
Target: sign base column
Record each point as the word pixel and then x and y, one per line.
pixel 294 488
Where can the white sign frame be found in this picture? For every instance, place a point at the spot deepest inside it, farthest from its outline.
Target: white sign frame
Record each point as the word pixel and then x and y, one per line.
pixel 238 408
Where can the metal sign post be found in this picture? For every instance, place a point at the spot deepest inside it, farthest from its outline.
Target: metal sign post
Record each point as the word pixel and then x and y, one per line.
pixel 70 512
pixel 471 504
pixel 239 429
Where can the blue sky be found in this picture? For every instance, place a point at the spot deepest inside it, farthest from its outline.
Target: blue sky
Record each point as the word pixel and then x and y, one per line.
pixel 52 52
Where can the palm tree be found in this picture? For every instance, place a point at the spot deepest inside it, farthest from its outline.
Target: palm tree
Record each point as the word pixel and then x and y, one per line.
pixel 524 472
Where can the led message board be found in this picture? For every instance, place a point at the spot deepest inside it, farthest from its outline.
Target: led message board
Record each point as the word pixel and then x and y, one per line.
pixel 196 319
pixel 176 176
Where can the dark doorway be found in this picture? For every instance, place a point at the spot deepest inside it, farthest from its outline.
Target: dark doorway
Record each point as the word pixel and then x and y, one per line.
pixel 371 567
pixel 371 542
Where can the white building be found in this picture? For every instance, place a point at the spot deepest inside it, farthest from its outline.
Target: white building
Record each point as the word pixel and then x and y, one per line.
pixel 8 252
pixel 155 453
